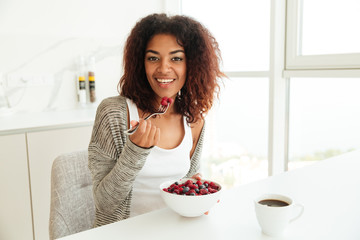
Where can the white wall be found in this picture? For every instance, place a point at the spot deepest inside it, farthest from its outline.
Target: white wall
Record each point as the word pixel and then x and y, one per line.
pixel 42 39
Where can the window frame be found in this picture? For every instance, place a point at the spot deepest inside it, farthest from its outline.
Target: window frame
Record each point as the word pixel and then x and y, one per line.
pixel 296 61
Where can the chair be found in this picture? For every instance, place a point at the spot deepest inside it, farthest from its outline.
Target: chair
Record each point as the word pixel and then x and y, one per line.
pixel 72 206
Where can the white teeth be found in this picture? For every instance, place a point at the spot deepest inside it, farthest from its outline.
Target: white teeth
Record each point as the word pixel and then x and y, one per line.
pixel 164 80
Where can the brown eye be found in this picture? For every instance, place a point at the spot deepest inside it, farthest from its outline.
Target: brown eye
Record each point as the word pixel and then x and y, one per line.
pixel 177 59
pixel 152 59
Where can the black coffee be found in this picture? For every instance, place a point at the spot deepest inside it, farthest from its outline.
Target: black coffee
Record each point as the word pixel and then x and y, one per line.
pixel 273 203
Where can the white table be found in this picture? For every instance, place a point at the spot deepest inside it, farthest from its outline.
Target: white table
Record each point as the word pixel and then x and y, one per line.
pixel 329 190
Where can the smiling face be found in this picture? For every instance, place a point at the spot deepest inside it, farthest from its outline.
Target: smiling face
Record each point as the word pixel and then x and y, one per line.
pixel 165 65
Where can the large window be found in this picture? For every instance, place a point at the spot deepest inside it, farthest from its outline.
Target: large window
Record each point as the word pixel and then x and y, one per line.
pixel 236 143
pixel 324 118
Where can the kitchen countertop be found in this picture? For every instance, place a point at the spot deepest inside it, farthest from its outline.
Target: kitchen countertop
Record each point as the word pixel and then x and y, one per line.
pixel 40 121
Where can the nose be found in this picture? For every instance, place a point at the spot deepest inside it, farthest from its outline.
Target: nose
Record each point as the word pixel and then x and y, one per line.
pixel 164 67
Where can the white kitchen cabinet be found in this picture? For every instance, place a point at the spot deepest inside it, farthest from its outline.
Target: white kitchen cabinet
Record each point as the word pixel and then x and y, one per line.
pixel 43 148
pixel 15 199
pixel 29 143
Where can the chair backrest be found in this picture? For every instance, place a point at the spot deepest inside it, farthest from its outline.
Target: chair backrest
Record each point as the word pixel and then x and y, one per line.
pixel 72 206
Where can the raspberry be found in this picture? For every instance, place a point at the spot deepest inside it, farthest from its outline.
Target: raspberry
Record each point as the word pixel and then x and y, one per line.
pixel 203 191
pixel 192 191
pixel 193 186
pixel 164 101
pixel 212 184
pixel 212 190
pixel 188 182
pixel 170 100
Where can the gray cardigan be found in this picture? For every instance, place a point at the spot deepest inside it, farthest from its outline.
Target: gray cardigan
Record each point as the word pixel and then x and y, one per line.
pixel 114 162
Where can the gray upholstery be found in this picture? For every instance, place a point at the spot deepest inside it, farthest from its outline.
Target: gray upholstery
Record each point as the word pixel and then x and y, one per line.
pixel 72 206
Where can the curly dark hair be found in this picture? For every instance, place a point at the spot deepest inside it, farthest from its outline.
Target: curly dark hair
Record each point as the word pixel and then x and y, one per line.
pixel 202 64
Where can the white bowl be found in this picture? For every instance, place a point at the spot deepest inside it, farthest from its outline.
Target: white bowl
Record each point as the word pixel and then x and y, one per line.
pixel 189 206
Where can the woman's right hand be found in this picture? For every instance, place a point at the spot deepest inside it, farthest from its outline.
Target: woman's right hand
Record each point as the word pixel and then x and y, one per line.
pixel 147 134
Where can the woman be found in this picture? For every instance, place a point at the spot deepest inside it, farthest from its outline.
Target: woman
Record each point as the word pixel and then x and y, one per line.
pixel 174 57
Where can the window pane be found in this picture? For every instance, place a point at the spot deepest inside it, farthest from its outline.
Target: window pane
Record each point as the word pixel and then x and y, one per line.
pixel 330 27
pixel 241 27
pixel 324 118
pixel 235 150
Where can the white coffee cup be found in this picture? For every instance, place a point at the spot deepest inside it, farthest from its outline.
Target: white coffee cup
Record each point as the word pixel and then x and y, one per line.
pixel 274 212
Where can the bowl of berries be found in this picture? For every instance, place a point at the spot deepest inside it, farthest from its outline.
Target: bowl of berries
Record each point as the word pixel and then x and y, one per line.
pixel 190 197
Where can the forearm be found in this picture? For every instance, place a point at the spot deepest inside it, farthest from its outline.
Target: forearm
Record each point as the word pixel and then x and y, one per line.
pixel 113 179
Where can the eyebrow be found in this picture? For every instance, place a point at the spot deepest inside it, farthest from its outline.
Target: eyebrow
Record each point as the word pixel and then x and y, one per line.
pixel 155 52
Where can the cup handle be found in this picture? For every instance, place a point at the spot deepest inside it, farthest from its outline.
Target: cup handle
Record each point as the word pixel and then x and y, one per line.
pixel 300 213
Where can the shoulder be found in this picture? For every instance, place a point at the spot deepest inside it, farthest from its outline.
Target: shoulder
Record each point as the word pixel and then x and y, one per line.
pixel 111 107
pixel 112 104
pixel 196 129
pixel 110 120
pixel 113 101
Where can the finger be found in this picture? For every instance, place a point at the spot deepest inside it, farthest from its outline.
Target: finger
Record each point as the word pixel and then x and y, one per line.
pixel 197 176
pixel 137 136
pixel 133 123
pixel 152 134
pixel 142 127
pixel 145 139
pixel 155 136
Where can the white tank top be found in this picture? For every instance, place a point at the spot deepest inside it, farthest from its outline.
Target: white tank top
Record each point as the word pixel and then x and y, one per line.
pixel 161 165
